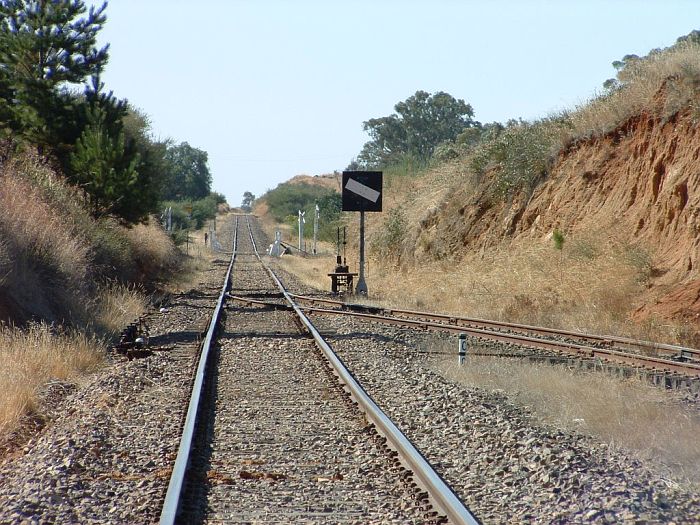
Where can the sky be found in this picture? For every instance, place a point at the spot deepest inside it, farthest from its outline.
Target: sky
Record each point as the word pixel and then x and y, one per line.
pixel 271 89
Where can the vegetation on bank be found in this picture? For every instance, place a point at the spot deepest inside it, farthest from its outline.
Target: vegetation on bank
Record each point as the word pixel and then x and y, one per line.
pixel 83 180
pixel 592 280
pixel 52 100
pixel 83 183
pixel 518 155
pixel 288 199
pixel 429 131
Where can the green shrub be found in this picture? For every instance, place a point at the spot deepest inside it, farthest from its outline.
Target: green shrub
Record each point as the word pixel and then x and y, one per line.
pixel 521 154
pixel 389 243
pixel 558 238
pixel 193 214
pixel 288 198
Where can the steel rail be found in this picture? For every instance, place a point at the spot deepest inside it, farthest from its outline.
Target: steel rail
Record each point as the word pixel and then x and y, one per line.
pixel 618 356
pixel 631 344
pixel 172 497
pixel 439 492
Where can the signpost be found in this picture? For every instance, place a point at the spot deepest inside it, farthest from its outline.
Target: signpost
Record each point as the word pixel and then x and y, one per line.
pixel 301 229
pixel 317 216
pixel 362 191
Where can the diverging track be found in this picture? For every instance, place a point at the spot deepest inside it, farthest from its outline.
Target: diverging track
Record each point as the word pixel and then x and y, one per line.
pixel 279 440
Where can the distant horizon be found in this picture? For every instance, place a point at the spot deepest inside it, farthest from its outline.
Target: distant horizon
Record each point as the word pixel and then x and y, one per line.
pixel 280 89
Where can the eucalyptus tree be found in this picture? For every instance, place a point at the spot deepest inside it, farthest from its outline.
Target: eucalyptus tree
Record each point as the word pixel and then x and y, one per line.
pixel 420 123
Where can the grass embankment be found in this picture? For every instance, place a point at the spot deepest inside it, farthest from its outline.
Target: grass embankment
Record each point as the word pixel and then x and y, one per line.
pixel 591 283
pixel 71 282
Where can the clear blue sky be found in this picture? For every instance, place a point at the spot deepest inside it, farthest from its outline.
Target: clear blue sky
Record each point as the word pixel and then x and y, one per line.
pixel 272 89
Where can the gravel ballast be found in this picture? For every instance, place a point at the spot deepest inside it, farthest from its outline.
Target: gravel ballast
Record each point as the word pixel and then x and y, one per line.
pixel 106 453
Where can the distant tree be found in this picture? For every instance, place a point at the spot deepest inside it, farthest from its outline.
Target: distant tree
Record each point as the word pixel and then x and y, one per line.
pixel 45 45
pixel 152 165
pixel 354 165
pixel 329 206
pixel 287 199
pixel 420 123
pixel 248 199
pixel 625 66
pixel 188 175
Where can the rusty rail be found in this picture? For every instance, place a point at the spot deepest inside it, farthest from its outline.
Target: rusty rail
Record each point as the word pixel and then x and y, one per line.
pixel 623 343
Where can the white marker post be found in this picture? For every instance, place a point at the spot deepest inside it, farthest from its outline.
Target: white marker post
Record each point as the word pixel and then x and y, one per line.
pixel 301 228
pixel 317 216
pixel 462 350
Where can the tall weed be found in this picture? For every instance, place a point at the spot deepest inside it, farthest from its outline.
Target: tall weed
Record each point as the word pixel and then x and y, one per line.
pixel 520 155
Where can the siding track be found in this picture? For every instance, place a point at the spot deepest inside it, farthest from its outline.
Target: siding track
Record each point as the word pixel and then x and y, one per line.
pixel 653 356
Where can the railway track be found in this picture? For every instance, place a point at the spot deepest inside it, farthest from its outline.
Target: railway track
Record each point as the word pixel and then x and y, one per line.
pixel 676 352
pixel 265 452
pixel 278 440
pixel 656 357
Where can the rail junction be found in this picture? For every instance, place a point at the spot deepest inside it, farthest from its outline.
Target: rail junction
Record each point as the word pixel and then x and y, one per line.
pixel 669 365
pixel 272 436
pixel 259 450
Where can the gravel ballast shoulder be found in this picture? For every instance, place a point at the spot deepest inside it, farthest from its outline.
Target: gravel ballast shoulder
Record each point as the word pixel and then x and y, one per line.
pixel 504 464
pixel 106 456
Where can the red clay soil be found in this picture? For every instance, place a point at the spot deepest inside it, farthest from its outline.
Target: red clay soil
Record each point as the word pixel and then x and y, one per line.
pixel 639 184
pixel 682 303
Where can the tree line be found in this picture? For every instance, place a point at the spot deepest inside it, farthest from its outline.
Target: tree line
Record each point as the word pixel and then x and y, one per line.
pixel 438 126
pixel 52 98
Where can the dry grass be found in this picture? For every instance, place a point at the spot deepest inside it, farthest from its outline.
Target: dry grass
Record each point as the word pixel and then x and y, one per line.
pixel 197 259
pixel 592 285
pixel 630 413
pixel 311 271
pixel 31 226
pixel 118 305
pixel 152 249
pixel 526 282
pixel 677 71
pixel 35 356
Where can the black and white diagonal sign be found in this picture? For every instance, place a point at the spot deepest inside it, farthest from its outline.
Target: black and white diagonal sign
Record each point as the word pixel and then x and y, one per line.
pixel 362 191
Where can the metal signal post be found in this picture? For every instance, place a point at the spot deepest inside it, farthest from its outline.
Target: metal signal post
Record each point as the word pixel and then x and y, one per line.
pixel 361 284
pixel 362 191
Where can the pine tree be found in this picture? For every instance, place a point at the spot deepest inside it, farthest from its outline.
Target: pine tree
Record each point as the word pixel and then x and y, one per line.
pixel 106 167
pixel 45 44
